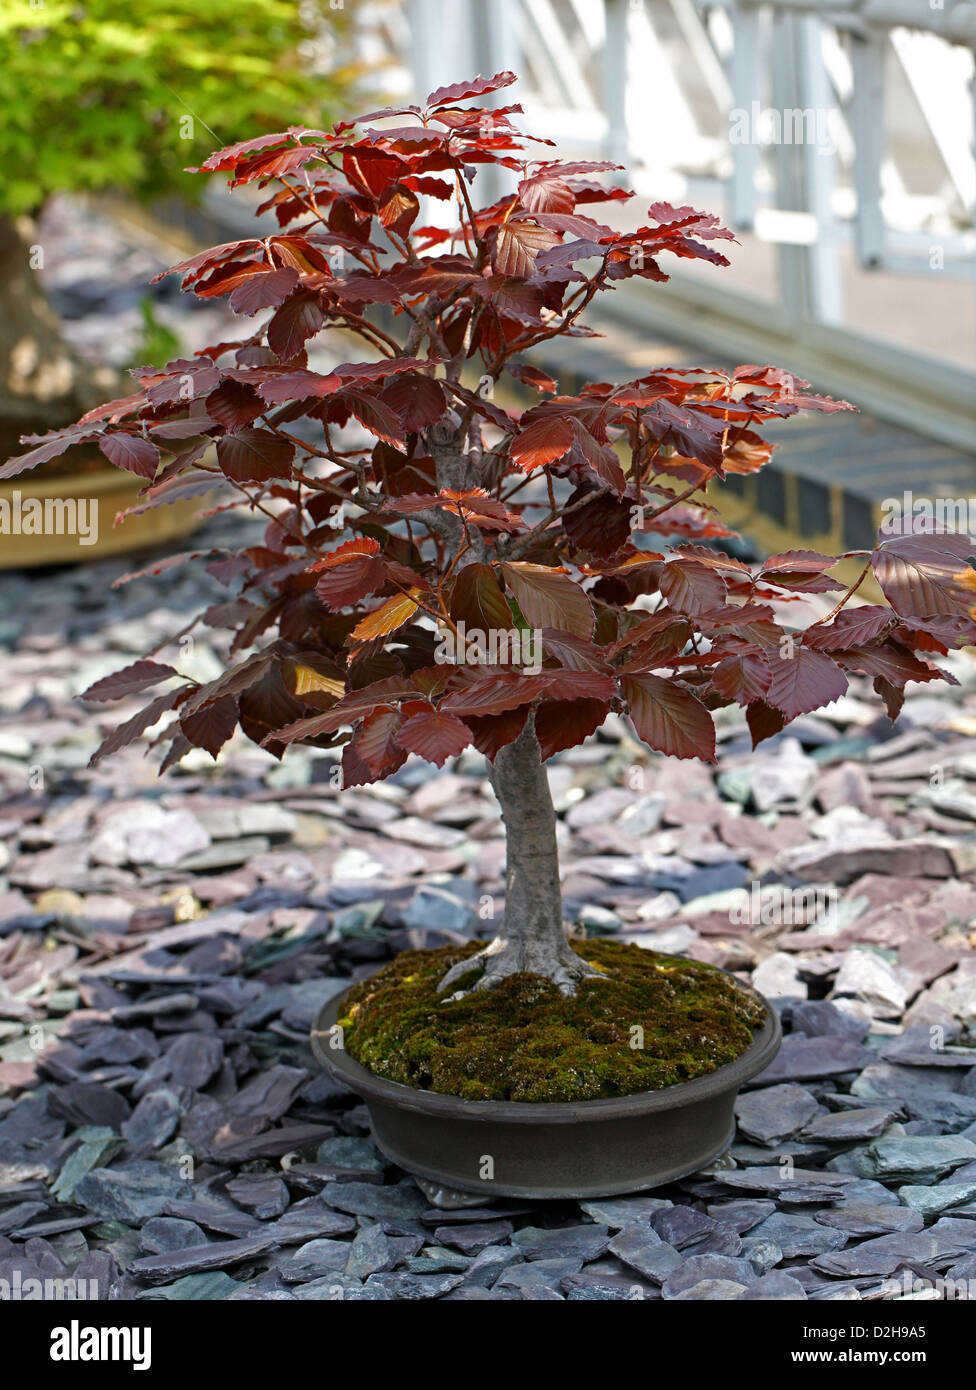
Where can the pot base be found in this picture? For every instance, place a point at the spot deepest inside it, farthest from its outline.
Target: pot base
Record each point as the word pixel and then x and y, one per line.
pixel 644 1179
pixel 595 1148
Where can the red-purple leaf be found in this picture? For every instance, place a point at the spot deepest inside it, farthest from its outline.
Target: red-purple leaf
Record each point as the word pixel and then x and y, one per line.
pixel 803 681
pixel 742 677
pixel 490 733
pixel 764 721
pixel 669 718
pixel 211 726
pixel 460 91
pixel 52 448
pixel 255 456
pixel 376 744
pixel 353 572
pixel 374 416
pixel 920 575
pixel 348 710
pixel 895 663
pixel 478 601
pixel 234 405
pixel 893 696
pixel 128 732
pixel 131 680
pixel 132 452
pixel 549 598
pixel 264 291
pixel 298 319
pixel 417 400
pixel 563 724
pixel 517 244
pixel 542 442
pixel 852 627
pixel 691 587
pixel 435 736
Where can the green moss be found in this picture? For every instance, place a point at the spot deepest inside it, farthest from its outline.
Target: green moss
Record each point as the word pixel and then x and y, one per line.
pixel 525 1041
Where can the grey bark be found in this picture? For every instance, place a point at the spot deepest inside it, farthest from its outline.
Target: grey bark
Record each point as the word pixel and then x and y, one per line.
pixel 532 937
pixel 455 471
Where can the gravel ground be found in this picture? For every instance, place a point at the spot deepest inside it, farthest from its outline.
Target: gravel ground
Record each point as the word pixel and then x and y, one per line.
pixel 166 943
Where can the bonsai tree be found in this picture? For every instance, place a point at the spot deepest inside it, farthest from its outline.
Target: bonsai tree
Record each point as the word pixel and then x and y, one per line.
pixel 106 96
pixel 468 521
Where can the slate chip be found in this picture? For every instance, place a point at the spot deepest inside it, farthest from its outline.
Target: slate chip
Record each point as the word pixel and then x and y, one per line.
pixel 774 1112
pixel 196 1259
pixel 474 1237
pixel 563 1242
pixel 643 1249
pixel 132 1194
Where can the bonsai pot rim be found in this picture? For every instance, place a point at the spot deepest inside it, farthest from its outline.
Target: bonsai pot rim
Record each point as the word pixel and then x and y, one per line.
pixel 732 1075
pixel 552 1150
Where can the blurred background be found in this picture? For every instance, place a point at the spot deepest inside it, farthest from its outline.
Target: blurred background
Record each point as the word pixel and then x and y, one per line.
pixel 835 137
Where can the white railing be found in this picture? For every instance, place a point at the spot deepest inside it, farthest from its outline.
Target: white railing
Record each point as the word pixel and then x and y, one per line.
pixel 836 133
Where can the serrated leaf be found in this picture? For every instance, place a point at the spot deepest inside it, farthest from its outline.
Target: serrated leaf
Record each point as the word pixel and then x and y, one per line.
pixel 921 575
pixel 131 680
pixel 255 456
pixel 852 627
pixel 298 319
pixel 517 245
pixel 890 660
pixel 563 724
pixel 477 600
pixel 803 682
pixel 691 587
pixel 541 443
pixel 211 726
pixel 129 731
pixel 349 709
pixel 351 573
pixel 490 733
pixel 434 735
pixel 669 718
pixel 549 598
pixel 460 91
pixel 265 291
pixel 375 741
pixel 764 721
pixel 50 448
pixel 131 452
pixel 234 405
pixel 390 616
pixel 742 677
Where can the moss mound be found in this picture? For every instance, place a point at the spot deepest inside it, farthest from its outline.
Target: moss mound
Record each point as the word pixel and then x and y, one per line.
pixel 525 1041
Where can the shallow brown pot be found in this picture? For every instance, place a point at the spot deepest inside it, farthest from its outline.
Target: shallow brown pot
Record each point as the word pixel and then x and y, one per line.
pixel 114 491
pixel 591 1148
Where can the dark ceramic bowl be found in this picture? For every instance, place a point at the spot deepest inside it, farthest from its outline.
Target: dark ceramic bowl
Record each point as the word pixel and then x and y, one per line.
pixel 590 1148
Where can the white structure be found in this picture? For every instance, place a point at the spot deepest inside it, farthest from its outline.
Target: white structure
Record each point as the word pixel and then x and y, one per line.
pixel 836 136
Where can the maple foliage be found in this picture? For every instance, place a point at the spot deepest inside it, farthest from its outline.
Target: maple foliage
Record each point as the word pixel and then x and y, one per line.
pixel 405 499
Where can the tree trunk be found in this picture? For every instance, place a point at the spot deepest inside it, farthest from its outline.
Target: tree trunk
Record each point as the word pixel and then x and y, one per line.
pixel 43 386
pixel 532 937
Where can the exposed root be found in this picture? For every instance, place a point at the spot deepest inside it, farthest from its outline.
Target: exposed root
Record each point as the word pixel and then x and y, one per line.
pixel 501 958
